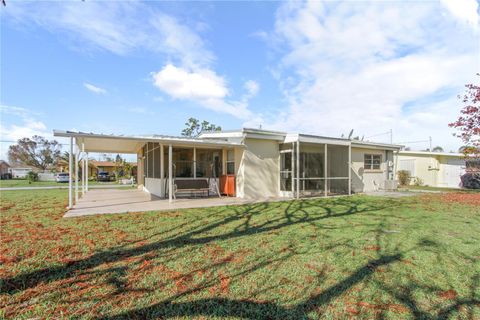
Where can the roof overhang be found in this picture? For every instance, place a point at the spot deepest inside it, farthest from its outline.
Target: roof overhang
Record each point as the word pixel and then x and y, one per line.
pixel 306 138
pixel 248 133
pixel 91 142
pixel 374 145
pixel 433 154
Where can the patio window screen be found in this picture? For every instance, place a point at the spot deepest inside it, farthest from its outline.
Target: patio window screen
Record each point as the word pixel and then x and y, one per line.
pixel 156 161
pixel 312 169
pixel 230 162
pixel 322 170
pixel 151 161
pixel 208 163
pixel 286 170
pixel 337 170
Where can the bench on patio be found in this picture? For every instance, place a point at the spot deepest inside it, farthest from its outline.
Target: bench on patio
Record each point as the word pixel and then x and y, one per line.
pixel 193 186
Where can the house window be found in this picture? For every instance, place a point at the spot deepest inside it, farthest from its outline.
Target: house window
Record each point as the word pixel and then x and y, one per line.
pixel 230 162
pixel 372 161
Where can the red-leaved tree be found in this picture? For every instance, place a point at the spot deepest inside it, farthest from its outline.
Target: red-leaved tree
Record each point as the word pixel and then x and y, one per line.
pixel 468 124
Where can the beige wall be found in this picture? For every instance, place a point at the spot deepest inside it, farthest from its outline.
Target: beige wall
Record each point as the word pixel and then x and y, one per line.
pixel 433 170
pixel 365 180
pixel 259 173
pixel 426 168
pixel 239 173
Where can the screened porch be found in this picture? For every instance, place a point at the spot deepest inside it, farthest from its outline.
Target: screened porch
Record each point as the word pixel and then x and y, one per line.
pixel 310 168
pixel 195 163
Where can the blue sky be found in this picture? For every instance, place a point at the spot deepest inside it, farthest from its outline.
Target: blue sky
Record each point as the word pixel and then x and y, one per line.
pixel 323 68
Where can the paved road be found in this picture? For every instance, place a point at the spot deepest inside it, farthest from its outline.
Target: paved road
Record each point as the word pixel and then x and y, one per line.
pixel 65 187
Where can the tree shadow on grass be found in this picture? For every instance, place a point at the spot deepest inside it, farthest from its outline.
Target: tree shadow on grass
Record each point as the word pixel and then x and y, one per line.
pixel 296 212
pixel 236 222
pixel 246 309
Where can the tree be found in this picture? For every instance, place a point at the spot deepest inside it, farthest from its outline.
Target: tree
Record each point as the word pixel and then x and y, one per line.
pixel 469 121
pixel 118 166
pixel 37 152
pixel 194 127
pixel 437 149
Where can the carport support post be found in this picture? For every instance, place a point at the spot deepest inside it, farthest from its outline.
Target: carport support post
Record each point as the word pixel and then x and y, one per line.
pixel 162 170
pixel 325 169
pixel 194 162
pixel 298 169
pixel 293 169
pixel 76 174
pixel 83 169
pixel 86 173
pixel 170 173
pixel 350 169
pixel 70 173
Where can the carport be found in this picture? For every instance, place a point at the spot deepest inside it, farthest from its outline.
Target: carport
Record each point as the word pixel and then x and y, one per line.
pixel 151 152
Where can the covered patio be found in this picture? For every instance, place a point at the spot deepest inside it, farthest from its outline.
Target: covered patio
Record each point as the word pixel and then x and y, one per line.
pixel 105 201
pixel 160 160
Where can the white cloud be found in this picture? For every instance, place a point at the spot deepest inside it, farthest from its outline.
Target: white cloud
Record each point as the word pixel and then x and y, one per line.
pixel 372 66
pixel 464 10
pixel 202 86
pixel 116 26
pixel 181 83
pixel 123 27
pixel 94 89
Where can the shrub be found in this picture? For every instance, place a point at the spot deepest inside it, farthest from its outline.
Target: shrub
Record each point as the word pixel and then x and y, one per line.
pixel 417 181
pixel 32 176
pixel 471 180
pixel 404 177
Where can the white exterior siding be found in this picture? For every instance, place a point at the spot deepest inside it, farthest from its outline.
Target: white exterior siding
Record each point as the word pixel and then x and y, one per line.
pixel 259 169
pixel 368 180
pixel 435 170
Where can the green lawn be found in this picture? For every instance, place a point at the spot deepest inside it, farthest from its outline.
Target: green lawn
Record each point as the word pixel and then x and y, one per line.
pixel 428 188
pixel 24 183
pixel 339 258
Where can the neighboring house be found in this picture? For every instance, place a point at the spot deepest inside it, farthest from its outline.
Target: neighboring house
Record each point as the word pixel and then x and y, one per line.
pixel 4 169
pixel 253 163
pixel 21 171
pixel 108 166
pixel 435 169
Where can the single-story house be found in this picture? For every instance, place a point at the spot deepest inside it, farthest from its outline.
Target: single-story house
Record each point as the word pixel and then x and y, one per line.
pixel 435 169
pixel 21 171
pixel 107 166
pixel 252 163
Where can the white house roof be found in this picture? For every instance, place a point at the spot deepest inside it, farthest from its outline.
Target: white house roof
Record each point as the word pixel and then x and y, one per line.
pixel 375 145
pixel 92 142
pixel 293 137
pixel 431 153
pixel 245 133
